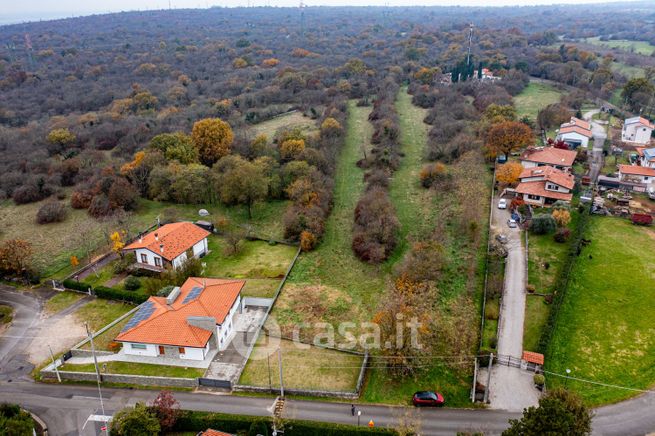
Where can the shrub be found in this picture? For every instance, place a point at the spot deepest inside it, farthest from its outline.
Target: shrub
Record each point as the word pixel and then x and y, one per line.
pixel 493 342
pixel 75 285
pixel 491 312
pixel 258 427
pixel 562 217
pixel 562 235
pixel 307 240
pixel 51 212
pixel 118 295
pixel 99 206
pixel 530 288
pixel 26 194
pixel 542 224
pixel 132 283
pixel 163 292
pixel 432 174
pixel 114 347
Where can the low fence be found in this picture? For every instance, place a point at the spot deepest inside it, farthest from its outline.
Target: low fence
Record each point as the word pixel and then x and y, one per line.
pixel 258 302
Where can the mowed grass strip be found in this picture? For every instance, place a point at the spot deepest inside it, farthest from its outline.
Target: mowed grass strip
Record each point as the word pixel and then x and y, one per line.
pixel 605 330
pixel 333 262
pixel 61 301
pixel 309 367
pixel 639 47
pixel 147 369
pixel 293 120
pixel 415 205
pixel 535 97
pixel 100 313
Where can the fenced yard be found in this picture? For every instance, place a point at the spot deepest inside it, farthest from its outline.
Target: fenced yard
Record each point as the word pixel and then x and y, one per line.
pixel 605 329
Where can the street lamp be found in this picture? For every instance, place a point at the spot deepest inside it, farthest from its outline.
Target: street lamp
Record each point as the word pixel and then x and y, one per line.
pixel 359 414
pixel 568 373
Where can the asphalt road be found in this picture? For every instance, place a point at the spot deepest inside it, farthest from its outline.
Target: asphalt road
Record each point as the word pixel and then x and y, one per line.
pixel 27 309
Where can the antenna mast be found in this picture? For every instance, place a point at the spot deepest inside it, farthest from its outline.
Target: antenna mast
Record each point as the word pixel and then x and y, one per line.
pixel 468 57
pixel 302 18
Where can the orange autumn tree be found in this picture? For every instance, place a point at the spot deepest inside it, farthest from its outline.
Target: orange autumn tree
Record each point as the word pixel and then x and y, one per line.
pixel 509 173
pixel 213 138
pixel 506 137
pixel 15 256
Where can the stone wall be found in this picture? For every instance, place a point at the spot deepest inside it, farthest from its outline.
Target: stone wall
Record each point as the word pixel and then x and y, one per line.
pixel 87 353
pixel 141 380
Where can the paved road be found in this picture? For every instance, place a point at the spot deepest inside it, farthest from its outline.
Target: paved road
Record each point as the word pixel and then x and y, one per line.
pixel 27 309
pixel 511 388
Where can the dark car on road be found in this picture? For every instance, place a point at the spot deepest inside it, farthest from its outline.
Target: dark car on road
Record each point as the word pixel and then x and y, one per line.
pixel 428 398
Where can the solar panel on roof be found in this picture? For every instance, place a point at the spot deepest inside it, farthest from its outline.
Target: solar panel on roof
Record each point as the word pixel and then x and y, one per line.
pixel 192 295
pixel 142 314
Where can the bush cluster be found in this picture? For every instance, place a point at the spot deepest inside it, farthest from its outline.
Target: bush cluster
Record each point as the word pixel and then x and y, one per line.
pixel 107 293
pixel 51 212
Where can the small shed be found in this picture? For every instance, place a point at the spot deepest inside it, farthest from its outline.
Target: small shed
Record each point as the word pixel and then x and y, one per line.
pixel 532 361
pixel 205 225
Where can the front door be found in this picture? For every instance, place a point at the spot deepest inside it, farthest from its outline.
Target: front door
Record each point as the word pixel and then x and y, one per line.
pixel 161 350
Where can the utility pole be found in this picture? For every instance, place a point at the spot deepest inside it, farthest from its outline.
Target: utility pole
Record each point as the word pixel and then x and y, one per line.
pixel 95 362
pixel 268 363
pixel 302 18
pixel 52 356
pixel 279 360
pixel 486 388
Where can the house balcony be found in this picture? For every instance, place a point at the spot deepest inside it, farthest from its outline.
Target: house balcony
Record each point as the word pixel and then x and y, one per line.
pixel 147 267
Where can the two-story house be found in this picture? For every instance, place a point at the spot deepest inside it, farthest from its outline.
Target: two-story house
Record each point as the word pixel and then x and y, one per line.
pixel 576 133
pixel 638 130
pixel 646 157
pixel 637 174
pixel 544 185
pixel 551 156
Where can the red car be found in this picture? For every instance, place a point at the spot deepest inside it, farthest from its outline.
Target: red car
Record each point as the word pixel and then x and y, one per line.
pixel 428 398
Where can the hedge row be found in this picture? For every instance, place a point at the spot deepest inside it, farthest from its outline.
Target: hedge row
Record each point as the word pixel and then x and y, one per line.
pixel 107 293
pixel 561 283
pixel 200 421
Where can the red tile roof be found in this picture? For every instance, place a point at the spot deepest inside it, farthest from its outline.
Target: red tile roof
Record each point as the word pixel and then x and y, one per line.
pixel 640 120
pixel 551 174
pixel 532 357
pixel 636 170
pixel 578 122
pixel 210 432
pixel 575 129
pixel 549 156
pixel 176 238
pixel 539 188
pixel 167 325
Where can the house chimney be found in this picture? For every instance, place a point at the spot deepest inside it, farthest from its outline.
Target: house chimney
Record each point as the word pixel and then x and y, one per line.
pixel 156 237
pixel 161 248
pixel 140 239
pixel 170 299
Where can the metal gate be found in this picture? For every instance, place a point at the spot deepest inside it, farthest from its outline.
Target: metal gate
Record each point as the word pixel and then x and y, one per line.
pixel 213 383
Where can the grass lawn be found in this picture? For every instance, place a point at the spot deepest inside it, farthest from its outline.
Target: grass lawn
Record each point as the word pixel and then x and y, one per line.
pixel 312 368
pixel 137 369
pixel 534 97
pixel 536 315
pixel 628 70
pixel 61 301
pixel 612 161
pixel 287 121
pixel 605 329
pixel 255 259
pixel 639 47
pixel 6 314
pixel 98 313
pixel 102 341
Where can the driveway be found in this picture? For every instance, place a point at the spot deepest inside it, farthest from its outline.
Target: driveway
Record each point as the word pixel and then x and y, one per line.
pixel 511 388
pixel 596 155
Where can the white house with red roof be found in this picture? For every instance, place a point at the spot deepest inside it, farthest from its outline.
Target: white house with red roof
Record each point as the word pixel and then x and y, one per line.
pixel 636 174
pixel 646 156
pixel 169 245
pixel 638 130
pixel 192 320
pixel 544 185
pixel 555 157
pixel 576 133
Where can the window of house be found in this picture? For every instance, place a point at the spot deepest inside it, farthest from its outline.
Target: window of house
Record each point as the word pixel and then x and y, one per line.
pixel 138 346
pixel 144 258
pixel 157 261
pixel 181 350
pixel 534 197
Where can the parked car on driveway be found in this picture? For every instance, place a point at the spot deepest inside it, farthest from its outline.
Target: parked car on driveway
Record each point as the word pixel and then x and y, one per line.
pixel 502 204
pixel 511 223
pixel 428 398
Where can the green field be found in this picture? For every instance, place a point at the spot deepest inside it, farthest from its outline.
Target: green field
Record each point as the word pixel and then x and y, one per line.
pixel 54 244
pixel 605 330
pixel 308 368
pixel 639 47
pixel 99 313
pixel 628 70
pixel 61 301
pixel 534 97
pixel 293 120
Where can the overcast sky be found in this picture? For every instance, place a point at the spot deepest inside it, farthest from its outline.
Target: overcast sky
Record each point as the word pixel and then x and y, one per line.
pixel 16 11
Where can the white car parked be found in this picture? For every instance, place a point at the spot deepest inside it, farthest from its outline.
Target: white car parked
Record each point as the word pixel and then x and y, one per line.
pixel 502 204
